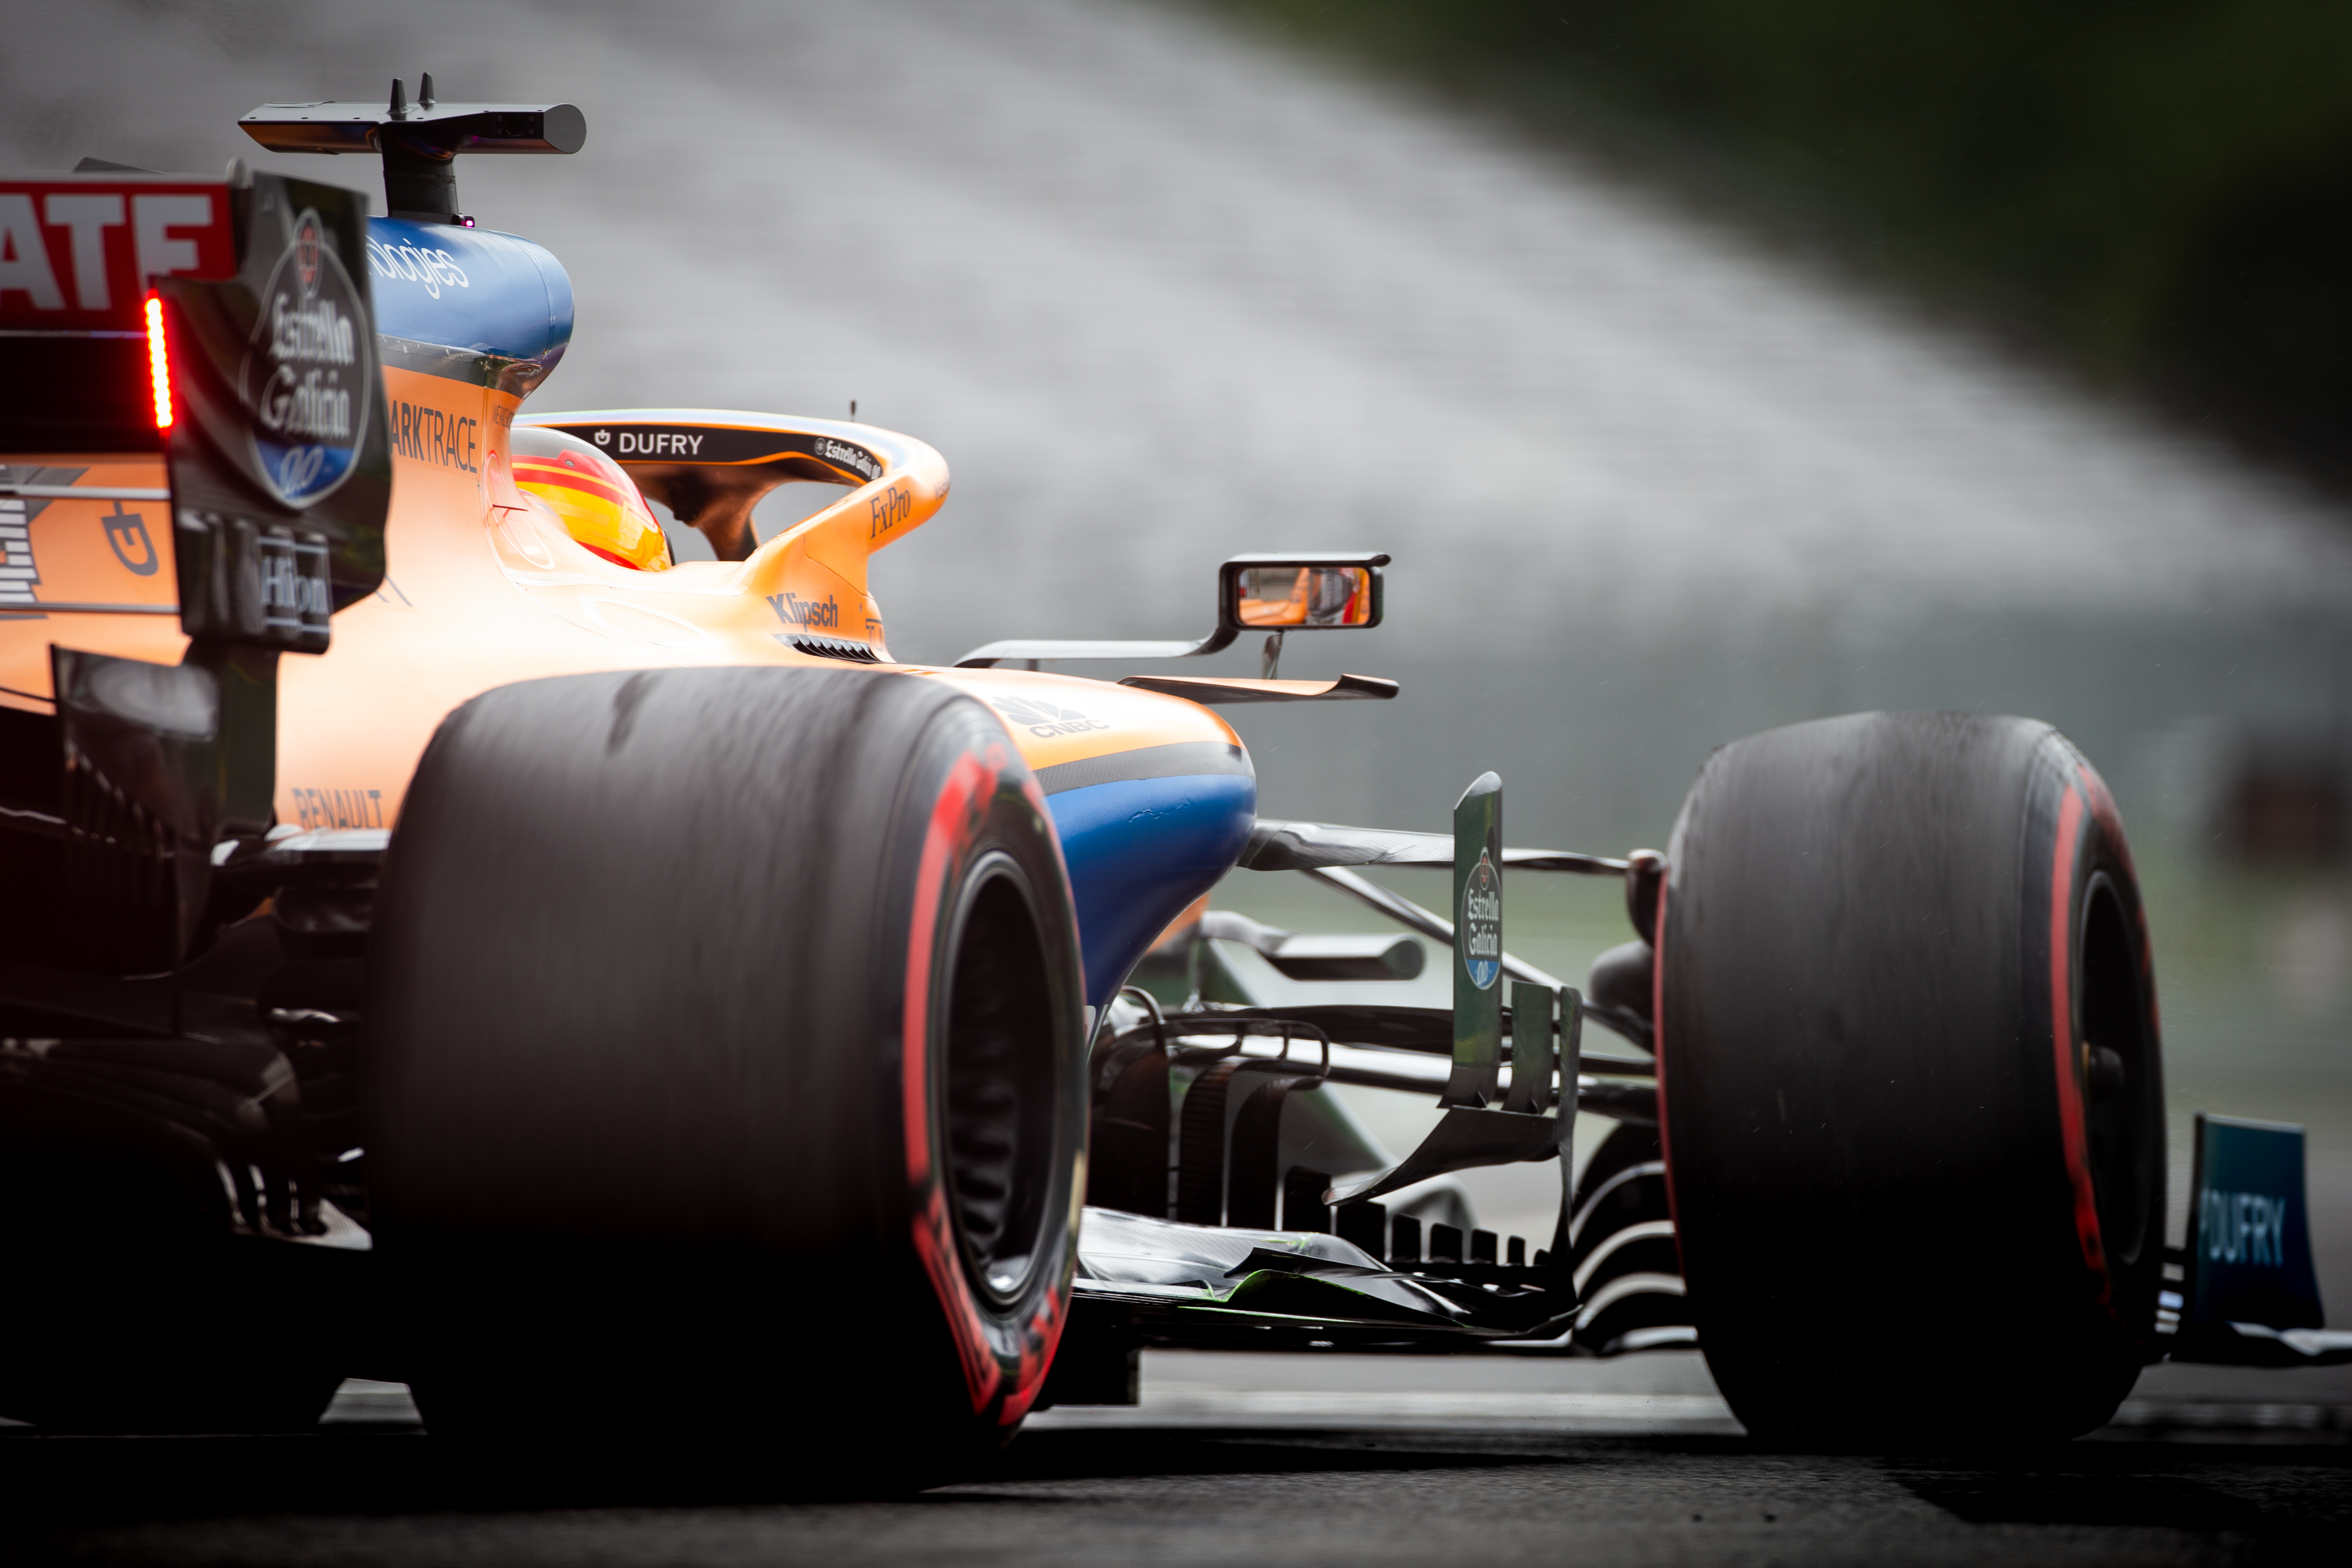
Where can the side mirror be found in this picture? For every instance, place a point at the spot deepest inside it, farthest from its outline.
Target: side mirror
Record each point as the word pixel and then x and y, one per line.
pixel 1282 591
pixel 1274 593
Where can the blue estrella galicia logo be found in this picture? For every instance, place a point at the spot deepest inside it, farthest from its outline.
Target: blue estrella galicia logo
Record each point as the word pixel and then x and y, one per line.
pixel 310 371
pixel 1480 935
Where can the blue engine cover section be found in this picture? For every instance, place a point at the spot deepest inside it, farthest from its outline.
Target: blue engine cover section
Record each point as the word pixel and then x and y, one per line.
pixel 472 289
pixel 1140 852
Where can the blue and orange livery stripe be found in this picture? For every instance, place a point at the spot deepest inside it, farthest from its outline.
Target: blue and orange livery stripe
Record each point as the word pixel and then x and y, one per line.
pixel 1153 798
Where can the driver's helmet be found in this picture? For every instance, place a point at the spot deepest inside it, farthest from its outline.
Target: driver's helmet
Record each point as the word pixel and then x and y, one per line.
pixel 600 504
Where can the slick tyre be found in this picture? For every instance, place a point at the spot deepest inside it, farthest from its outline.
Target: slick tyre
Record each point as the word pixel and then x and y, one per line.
pixel 1910 1082
pixel 729 1041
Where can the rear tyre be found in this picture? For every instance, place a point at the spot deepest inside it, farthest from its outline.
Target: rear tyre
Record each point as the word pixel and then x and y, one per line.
pixel 1910 1082
pixel 729 1042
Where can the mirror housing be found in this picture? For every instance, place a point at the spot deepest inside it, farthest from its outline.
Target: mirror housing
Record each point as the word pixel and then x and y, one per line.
pixel 1285 591
pixel 1248 587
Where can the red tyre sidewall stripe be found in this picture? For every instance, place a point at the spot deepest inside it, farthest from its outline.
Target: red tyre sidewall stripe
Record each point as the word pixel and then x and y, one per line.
pixel 2111 825
pixel 2073 1128
pixel 1041 1338
pixel 965 795
pixel 963 798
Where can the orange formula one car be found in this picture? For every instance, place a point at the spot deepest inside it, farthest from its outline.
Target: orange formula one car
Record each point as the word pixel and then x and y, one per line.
pixel 444 938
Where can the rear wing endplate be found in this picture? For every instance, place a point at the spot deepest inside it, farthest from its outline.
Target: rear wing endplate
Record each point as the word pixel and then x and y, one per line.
pixel 257 382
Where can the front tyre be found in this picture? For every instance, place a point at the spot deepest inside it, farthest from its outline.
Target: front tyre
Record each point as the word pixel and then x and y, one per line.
pixel 1912 1097
pixel 729 1049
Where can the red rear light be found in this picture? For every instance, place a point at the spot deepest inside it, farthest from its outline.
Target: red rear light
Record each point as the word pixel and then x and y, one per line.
pixel 159 363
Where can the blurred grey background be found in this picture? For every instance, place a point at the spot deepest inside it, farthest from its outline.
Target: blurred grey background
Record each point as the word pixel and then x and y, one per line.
pixel 1163 286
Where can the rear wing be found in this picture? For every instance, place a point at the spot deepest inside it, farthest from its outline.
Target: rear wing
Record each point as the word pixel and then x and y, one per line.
pixel 224 328
pixel 221 329
pixel 77 253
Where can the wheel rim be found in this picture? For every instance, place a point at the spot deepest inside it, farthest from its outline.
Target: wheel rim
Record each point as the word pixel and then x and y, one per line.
pixel 999 1078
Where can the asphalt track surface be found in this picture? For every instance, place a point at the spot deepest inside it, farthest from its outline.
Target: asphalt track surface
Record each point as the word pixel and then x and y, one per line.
pixel 1160 294
pixel 1246 1459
